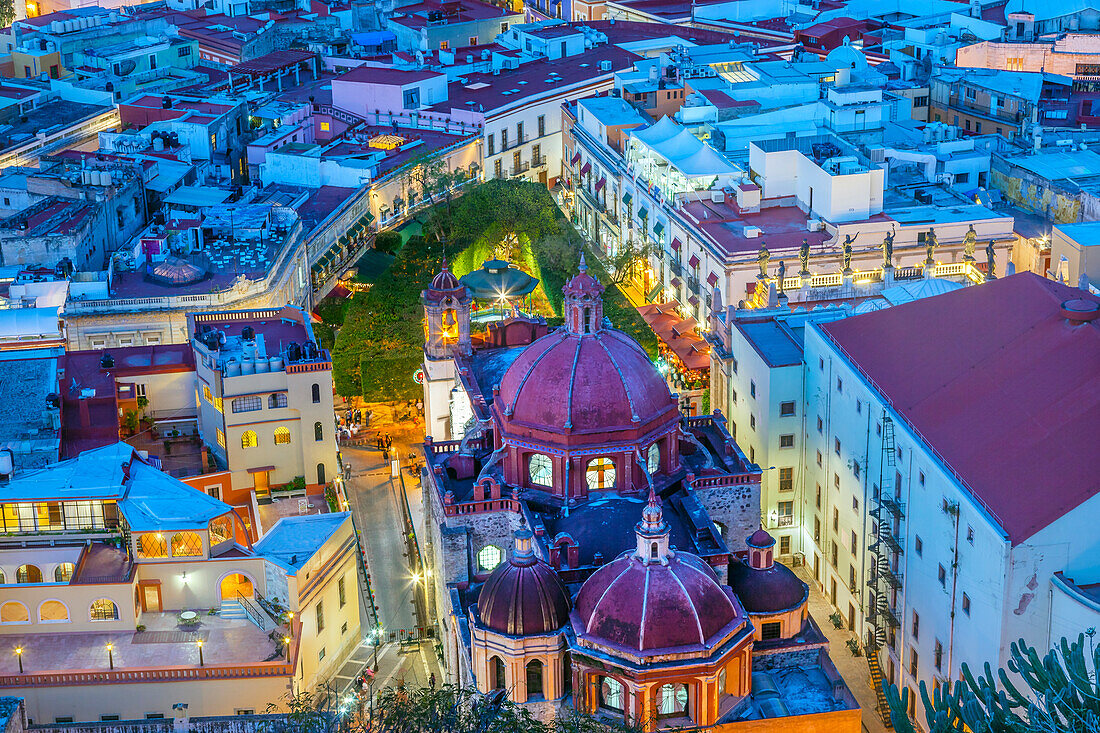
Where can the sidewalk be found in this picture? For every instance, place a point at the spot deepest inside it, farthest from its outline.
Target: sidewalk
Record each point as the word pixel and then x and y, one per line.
pixel 852 669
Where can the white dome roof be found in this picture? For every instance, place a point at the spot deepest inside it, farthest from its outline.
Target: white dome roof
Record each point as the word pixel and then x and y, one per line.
pixel 846 57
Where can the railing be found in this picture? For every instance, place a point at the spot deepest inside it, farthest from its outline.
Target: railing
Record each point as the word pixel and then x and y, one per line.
pixel 479 507
pixel 537 161
pixel 693 284
pixel 254 614
pixel 146 674
pixel 675 268
pixel 786 520
pixel 519 170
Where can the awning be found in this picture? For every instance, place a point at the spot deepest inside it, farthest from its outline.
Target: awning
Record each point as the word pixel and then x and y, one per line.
pixel 601 183
pixel 655 292
pixel 643 213
pixel 574 159
pixel 694 261
pixel 676 244
pixel 585 168
pixel 367 218
pixel 627 197
pixel 658 228
pixel 343 240
pixel 694 300
pixel 675 282
pixel 712 279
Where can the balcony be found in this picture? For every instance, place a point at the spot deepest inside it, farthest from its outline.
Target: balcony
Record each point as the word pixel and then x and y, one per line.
pixel 538 161
pixel 676 268
pixel 895 507
pixel 519 170
pixel 693 284
pixel 786 520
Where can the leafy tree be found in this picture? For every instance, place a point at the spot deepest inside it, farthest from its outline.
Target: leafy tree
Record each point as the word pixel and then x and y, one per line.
pixel 1062 695
pixel 450 709
pixel 388 241
pixel 7 13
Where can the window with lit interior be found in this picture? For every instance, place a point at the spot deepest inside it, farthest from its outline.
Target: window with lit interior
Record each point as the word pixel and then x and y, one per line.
pixel 186 544
pixel 282 436
pixel 540 469
pixel 104 610
pixel 152 545
pixel 249 439
pixel 672 701
pixel 600 474
pixel 489 557
pixel 63 572
pixel 653 459
pixel 611 694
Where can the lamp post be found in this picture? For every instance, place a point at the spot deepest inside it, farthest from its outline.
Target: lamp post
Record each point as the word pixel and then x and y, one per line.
pixel 19 656
pixel 201 660
pixel 111 654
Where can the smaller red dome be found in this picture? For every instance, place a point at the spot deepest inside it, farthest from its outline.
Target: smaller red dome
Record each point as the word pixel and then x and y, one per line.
pixel 767 591
pixel 760 539
pixel 523 596
pixel 444 284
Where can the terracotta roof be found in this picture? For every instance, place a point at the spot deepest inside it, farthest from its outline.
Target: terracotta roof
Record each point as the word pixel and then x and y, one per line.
pixel 1000 384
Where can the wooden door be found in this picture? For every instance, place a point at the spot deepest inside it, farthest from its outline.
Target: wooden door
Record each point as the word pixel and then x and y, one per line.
pixel 261 485
pixel 150 598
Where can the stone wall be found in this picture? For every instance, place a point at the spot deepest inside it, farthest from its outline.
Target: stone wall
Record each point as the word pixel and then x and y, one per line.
pixel 737 508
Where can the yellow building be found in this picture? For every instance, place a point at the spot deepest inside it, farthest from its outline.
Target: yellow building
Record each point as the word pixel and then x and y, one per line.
pixel 127 592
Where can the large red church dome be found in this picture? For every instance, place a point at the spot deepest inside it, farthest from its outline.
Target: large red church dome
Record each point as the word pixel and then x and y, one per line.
pixel 653 599
pixel 584 378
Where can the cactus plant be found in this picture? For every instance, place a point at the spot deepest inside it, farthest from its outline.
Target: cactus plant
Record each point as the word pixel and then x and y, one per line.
pixel 1062 695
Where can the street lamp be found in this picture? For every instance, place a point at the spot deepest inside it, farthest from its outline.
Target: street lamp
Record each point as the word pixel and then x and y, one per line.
pixel 19 656
pixel 201 660
pixel 111 654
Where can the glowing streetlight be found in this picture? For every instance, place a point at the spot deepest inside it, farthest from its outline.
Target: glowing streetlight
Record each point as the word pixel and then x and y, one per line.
pixel 199 644
pixel 111 654
pixel 19 656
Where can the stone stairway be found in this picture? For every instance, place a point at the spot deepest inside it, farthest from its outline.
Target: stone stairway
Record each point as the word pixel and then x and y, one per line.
pixel 232 609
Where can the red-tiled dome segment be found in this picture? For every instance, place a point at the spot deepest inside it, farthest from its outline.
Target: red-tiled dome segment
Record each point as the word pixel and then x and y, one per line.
pixel 585 383
pixel 767 591
pixel 523 596
pixel 656 606
pixel 444 284
pixel 760 538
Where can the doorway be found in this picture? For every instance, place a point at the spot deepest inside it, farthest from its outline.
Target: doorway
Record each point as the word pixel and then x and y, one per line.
pixel 150 599
pixel 236 583
pixel 261 484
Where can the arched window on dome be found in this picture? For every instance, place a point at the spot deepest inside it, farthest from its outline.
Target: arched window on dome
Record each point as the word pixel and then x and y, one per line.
pixel 600 474
pixel 489 557
pixel 653 459
pixel 611 694
pixel 672 701
pixel 534 680
pixel 496 674
pixel 540 469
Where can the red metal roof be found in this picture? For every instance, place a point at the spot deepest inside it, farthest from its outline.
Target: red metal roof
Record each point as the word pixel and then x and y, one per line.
pixel 1000 384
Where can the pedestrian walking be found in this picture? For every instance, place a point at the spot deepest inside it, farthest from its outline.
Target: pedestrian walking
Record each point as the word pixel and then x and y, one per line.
pixel 385 455
pixel 389 441
pixel 431 680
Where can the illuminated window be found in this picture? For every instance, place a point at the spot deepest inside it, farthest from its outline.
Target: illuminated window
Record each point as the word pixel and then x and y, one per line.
pixel 53 612
pixel 14 612
pixel 221 438
pixel 104 610
pixel 318 432
pixel 282 436
pixel 207 394
pixel 540 470
pixel 611 694
pixel 325 127
pixel 249 439
pixel 672 701
pixel 63 572
pixel 152 545
pixel 600 473
pixel 186 544
pixel 28 574
pixel 221 529
pixel 653 458
pixel 489 557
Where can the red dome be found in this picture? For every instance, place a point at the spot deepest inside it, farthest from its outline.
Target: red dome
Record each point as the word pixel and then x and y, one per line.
pixel 584 383
pixel 766 591
pixel 443 284
pixel 524 595
pixel 648 607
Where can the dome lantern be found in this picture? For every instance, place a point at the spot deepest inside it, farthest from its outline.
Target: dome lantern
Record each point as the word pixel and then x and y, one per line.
pixel 652 533
pixel 583 303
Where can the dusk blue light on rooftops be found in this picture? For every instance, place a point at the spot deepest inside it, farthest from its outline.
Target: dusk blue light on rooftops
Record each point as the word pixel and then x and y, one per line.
pixel 94 474
pixel 156 501
pixel 294 540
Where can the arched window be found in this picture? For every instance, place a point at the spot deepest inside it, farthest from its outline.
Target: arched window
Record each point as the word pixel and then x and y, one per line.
pixel 221 529
pixel 534 679
pixel 722 681
pixel 277 399
pixel 282 436
pixel 320 473
pixel 104 609
pixel 63 572
pixel 611 694
pixel 654 551
pixel 318 432
pixel 600 474
pixel 28 574
pixel 152 545
pixel 186 544
pixel 540 469
pixel 14 612
pixel 249 439
pixel 496 673
pixel 3 579
pixel 316 394
pixel 672 701
pixel 53 612
pixel 489 557
pixel 653 459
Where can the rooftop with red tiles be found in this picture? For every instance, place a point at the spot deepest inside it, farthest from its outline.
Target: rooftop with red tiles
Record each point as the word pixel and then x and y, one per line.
pixel 1001 384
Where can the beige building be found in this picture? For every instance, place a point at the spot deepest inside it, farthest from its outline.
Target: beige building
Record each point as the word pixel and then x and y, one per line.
pixel 264 390
pixel 127 592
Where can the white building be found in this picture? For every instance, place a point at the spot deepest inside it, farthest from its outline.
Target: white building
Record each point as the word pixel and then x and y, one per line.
pixel 950 473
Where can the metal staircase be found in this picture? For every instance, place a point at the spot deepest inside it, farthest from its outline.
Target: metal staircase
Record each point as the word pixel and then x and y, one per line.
pixel 886 581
